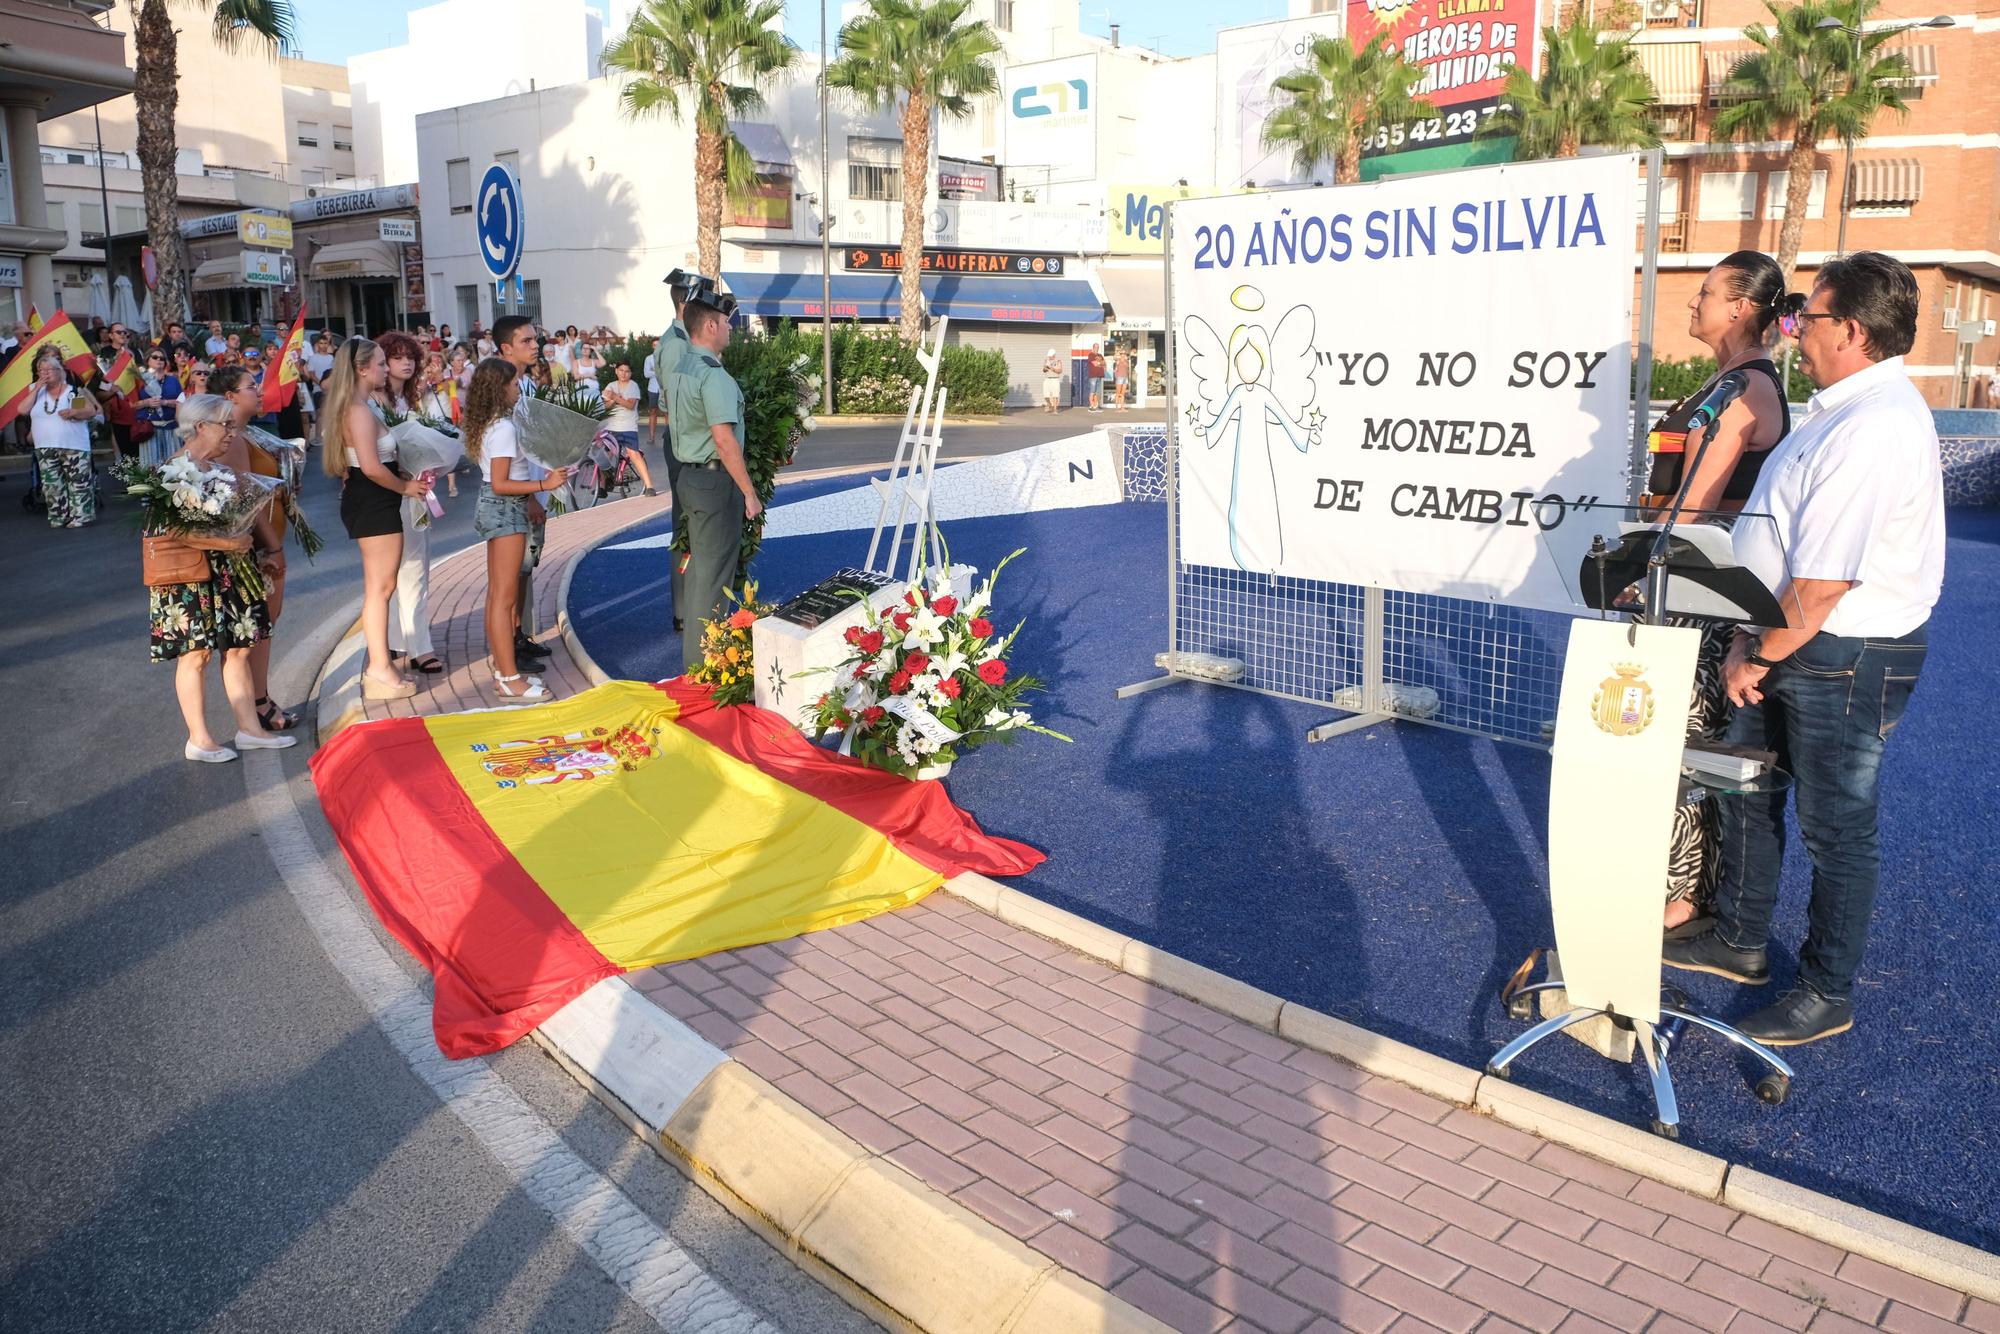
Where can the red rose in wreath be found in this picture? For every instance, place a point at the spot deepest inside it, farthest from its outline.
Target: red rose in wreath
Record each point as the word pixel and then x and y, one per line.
pixel 870 642
pixel 944 606
pixel 993 673
pixel 916 662
pixel 981 628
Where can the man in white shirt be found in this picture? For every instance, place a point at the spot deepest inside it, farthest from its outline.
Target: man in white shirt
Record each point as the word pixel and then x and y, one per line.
pixel 1854 549
pixel 217 343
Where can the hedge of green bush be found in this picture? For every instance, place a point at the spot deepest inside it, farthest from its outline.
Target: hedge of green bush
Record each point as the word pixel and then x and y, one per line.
pixel 1677 379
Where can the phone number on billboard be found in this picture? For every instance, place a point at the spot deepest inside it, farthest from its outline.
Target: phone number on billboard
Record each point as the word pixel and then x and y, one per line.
pixel 1450 128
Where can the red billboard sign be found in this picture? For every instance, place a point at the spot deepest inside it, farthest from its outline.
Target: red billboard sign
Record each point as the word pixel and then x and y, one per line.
pixel 1463 48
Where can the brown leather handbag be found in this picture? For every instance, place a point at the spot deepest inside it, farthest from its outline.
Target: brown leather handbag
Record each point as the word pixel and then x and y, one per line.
pixel 169 560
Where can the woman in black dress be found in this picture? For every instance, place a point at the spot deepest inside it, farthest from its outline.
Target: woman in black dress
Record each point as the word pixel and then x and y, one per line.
pixel 1734 313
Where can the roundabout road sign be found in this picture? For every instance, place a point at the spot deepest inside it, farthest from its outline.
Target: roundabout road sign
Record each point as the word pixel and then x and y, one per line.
pixel 499 222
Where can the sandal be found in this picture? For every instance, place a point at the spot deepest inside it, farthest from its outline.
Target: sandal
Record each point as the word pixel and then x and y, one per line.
pixel 374 689
pixel 430 664
pixel 274 719
pixel 508 687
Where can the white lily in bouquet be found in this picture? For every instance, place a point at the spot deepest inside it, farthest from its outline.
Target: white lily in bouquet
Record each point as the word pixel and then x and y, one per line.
pixel 204 505
pixel 556 428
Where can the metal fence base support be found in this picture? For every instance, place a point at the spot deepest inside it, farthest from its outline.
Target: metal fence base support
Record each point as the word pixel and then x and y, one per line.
pixel 1342 726
pixel 1141 687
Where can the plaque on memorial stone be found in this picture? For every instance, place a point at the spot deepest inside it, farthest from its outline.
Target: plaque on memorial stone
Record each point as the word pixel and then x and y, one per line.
pixel 830 596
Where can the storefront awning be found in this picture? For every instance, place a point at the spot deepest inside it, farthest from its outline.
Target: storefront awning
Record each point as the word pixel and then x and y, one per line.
pixel 1674 68
pixel 1718 64
pixel 879 296
pixel 1014 300
pixel 766 146
pixel 1894 180
pixel 358 259
pixel 212 275
pixel 1138 297
pixel 856 296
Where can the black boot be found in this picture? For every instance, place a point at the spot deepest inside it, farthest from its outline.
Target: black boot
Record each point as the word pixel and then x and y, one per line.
pixel 1708 953
pixel 525 647
pixel 1799 1016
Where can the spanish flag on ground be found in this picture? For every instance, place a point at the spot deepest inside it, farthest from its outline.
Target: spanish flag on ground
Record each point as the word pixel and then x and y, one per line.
pixel 523 855
pixel 281 381
pixel 18 380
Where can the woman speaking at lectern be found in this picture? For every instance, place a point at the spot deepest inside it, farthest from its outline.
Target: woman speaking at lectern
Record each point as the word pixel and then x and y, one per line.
pixel 1733 314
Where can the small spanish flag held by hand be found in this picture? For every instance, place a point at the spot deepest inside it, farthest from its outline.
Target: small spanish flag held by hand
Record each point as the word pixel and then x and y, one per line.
pixel 124 373
pixel 281 381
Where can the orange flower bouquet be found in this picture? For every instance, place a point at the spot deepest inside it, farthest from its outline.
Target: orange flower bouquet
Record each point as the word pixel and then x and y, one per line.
pixel 725 665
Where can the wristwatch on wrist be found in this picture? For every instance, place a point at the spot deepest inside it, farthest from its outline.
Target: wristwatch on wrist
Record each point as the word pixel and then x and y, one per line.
pixel 1753 653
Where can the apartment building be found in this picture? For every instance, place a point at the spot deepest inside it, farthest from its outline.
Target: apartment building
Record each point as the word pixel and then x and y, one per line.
pixel 1925 188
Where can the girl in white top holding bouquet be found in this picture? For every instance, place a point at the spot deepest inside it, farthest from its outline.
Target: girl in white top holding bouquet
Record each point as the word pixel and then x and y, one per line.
pixel 507 478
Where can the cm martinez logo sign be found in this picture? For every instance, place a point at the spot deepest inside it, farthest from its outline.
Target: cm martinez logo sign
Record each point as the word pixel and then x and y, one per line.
pixel 1052 99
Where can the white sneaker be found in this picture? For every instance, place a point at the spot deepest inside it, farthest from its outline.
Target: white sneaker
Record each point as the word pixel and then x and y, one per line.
pixel 220 755
pixel 244 741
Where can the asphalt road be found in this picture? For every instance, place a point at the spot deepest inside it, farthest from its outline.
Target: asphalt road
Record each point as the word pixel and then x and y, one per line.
pixel 201 1124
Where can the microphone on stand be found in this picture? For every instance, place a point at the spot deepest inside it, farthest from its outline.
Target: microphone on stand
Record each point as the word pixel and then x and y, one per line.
pixel 1727 390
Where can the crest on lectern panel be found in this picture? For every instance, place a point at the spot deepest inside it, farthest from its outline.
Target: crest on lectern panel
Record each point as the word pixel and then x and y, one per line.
pixel 1623 704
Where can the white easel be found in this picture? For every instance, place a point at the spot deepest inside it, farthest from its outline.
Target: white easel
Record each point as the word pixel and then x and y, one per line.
pixel 910 479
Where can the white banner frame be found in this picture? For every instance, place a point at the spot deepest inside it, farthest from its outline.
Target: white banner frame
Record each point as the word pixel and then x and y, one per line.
pixel 1373 698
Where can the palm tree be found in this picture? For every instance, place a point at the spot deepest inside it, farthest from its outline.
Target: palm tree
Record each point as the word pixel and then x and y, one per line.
pixel 1590 92
pixel 1806 83
pixel 156 95
pixel 711 52
pixel 1338 101
pixel 917 56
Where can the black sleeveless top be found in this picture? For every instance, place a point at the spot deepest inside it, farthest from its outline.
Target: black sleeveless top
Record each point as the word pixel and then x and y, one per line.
pixel 1668 441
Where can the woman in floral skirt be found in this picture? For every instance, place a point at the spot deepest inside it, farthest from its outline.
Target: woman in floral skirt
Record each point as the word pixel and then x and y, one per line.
pixel 191 621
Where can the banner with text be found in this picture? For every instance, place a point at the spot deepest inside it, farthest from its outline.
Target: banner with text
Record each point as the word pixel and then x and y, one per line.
pixel 1407 384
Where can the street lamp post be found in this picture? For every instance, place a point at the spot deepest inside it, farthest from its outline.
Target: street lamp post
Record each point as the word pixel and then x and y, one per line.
pixel 825 236
pixel 1847 174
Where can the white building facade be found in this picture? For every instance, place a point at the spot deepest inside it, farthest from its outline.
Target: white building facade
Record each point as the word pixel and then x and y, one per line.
pixel 1031 244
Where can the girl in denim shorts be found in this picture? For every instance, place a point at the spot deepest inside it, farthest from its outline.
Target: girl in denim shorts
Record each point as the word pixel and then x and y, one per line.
pixel 507 509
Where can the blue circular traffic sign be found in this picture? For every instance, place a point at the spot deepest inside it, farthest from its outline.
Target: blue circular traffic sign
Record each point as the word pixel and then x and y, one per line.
pixel 497 216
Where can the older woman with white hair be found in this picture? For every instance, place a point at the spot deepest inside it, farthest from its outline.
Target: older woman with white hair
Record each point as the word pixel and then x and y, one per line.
pixel 1052 370
pixel 190 621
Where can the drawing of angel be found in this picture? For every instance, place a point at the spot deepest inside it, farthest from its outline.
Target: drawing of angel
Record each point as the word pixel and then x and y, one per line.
pixel 1254 391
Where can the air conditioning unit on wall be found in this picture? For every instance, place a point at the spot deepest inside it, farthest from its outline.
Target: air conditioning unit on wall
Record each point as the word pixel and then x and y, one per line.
pixel 1663 11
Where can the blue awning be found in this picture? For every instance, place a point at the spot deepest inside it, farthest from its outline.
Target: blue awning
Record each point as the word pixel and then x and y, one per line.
pixel 856 296
pixel 878 296
pixel 1014 300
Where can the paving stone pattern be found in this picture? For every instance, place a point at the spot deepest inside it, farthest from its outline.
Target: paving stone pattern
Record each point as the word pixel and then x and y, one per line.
pixel 458 615
pixel 1220 1177
pixel 1208 1172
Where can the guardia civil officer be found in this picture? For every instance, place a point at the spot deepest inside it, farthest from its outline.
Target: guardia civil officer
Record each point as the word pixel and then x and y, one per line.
pixel 705 414
pixel 667 356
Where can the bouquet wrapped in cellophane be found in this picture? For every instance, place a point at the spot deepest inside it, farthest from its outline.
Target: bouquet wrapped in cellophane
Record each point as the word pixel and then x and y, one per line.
pixel 291 457
pixel 556 427
pixel 425 447
pixel 208 506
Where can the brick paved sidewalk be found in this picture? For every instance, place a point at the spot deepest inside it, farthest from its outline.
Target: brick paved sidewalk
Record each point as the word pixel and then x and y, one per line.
pixel 1208 1172
pixel 458 615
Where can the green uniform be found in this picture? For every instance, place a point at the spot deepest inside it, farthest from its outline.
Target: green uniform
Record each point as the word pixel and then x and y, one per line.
pixel 701 396
pixel 668 353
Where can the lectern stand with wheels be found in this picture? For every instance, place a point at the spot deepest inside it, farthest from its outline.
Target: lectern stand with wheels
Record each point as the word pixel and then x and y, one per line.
pixel 1617 777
